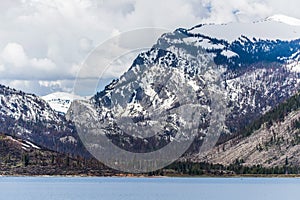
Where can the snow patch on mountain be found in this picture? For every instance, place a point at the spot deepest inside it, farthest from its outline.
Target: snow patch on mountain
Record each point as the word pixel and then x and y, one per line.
pixel 228 53
pixel 61 101
pixel 25 144
pixel 293 66
pixel 69 139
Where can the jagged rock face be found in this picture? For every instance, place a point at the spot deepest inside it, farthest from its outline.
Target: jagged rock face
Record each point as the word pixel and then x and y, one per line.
pixel 249 73
pixel 29 117
pixel 150 99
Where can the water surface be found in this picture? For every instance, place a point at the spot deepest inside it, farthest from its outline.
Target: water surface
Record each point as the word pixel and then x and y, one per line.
pixel 75 188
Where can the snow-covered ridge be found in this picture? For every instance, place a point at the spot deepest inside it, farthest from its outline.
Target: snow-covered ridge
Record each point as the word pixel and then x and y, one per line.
pixel 61 101
pixel 28 107
pixel 277 27
pixel 285 19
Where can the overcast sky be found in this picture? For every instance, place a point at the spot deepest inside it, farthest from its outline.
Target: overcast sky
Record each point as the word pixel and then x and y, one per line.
pixel 44 42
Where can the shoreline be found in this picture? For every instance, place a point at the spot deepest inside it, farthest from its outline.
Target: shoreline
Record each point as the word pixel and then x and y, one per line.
pixel 143 176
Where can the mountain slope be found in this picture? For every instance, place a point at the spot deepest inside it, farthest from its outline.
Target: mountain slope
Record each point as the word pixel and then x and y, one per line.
pixel 29 117
pixel 22 157
pixel 275 142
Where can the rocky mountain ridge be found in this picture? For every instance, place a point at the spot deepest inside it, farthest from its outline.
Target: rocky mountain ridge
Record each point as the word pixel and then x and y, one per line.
pixel 228 75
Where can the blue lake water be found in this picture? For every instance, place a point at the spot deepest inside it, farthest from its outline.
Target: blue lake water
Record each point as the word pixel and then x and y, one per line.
pixel 73 188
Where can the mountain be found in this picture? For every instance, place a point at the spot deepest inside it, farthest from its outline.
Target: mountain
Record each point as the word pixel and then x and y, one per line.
pixel 60 101
pixel 212 80
pixel 31 118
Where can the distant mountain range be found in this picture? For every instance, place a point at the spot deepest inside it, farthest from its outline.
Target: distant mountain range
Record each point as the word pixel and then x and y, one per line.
pixel 233 73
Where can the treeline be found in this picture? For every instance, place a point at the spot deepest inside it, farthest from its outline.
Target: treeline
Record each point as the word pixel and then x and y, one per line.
pixel 276 115
pixel 273 116
pixel 237 168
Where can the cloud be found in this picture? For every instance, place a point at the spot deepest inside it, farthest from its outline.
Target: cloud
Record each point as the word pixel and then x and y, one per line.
pixel 47 40
pixel 18 64
pixel 232 10
pixel 13 53
pixel 289 8
pixel 40 87
pixel 42 64
pixel 65 86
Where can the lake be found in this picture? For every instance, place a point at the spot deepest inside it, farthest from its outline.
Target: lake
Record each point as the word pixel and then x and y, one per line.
pixel 77 188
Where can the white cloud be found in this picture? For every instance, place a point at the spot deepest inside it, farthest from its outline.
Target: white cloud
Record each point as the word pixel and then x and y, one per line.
pixel 290 8
pixel 38 87
pixel 30 86
pixel 14 53
pixel 20 65
pixel 51 84
pixel 232 10
pixel 42 64
pixel 46 40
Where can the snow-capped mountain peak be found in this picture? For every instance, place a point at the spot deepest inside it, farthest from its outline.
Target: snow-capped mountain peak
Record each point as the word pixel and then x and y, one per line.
pixel 277 27
pixel 61 101
pixel 285 19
